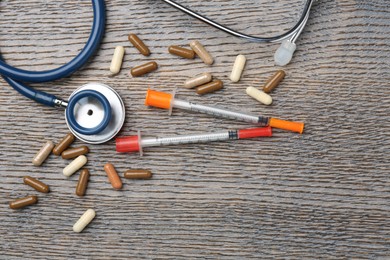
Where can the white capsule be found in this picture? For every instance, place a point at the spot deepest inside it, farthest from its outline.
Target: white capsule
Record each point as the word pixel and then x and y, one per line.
pixel 42 154
pixel 199 80
pixel 75 165
pixel 238 68
pixel 117 59
pixel 259 95
pixel 84 220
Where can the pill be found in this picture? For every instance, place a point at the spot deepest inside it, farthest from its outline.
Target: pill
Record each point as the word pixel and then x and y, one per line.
pixel 143 69
pixel 23 202
pixel 75 165
pixel 82 183
pixel 42 154
pixel 84 220
pixel 139 44
pixel 210 87
pixel 138 174
pixel 274 81
pixel 198 48
pixel 238 68
pixel 74 152
pixel 259 95
pixel 65 142
pixel 36 184
pixel 199 80
pixel 182 52
pixel 117 59
pixel 113 176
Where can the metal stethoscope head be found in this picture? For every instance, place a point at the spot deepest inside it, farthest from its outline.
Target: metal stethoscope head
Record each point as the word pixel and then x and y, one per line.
pixel 283 54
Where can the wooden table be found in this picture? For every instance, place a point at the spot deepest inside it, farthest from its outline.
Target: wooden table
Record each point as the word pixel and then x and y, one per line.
pixel 322 194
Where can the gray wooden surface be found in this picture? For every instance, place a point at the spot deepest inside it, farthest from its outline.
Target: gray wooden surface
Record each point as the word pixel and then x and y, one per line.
pixel 323 194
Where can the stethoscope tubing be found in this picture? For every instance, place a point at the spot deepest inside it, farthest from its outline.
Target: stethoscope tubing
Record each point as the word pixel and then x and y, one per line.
pixel 15 76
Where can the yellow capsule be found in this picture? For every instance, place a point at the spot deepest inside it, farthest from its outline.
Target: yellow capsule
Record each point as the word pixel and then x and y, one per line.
pixel 198 48
pixel 84 220
pixel 117 59
pixel 238 68
pixel 259 95
pixel 75 165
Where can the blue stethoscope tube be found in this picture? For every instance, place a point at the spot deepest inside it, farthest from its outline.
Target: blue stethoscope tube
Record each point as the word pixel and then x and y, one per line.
pixel 15 76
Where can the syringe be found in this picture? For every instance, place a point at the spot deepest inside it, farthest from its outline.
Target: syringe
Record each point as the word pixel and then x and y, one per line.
pixel 136 144
pixel 168 101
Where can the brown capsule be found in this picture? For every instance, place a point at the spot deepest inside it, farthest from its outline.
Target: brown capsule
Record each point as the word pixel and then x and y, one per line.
pixel 143 69
pixel 23 202
pixel 82 183
pixel 139 44
pixel 138 174
pixel 65 142
pixel 42 154
pixel 198 48
pixel 113 176
pixel 36 184
pixel 182 52
pixel 274 81
pixel 210 87
pixel 74 152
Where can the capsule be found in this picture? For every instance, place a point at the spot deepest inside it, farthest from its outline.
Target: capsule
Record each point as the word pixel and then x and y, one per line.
pixel 181 52
pixel 74 152
pixel 138 174
pixel 65 143
pixel 84 220
pixel 36 184
pixel 42 154
pixel 82 183
pixel 75 165
pixel 139 44
pixel 23 202
pixel 238 68
pixel 198 48
pixel 117 60
pixel 210 87
pixel 143 69
pixel 113 176
pixel 259 95
pixel 198 80
pixel 274 81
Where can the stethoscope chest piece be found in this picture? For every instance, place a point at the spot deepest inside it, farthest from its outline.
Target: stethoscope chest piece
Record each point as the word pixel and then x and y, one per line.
pixel 95 113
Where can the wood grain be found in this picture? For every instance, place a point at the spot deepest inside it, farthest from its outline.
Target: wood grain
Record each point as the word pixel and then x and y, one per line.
pixel 324 194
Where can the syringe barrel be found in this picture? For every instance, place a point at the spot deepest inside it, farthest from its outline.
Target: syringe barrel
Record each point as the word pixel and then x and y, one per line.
pixel 220 112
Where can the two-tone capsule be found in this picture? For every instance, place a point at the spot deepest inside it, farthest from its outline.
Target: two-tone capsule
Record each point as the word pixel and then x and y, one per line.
pixel 198 80
pixel 144 69
pixel 82 183
pixel 138 174
pixel 210 87
pixel 238 68
pixel 63 144
pixel 23 202
pixel 117 60
pixel 200 50
pixel 181 52
pixel 74 152
pixel 139 44
pixel 75 165
pixel 43 153
pixel 113 176
pixel 84 220
pixel 36 184
pixel 259 95
pixel 274 81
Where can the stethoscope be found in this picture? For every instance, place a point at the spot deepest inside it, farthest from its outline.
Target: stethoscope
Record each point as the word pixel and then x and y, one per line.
pixel 95 112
